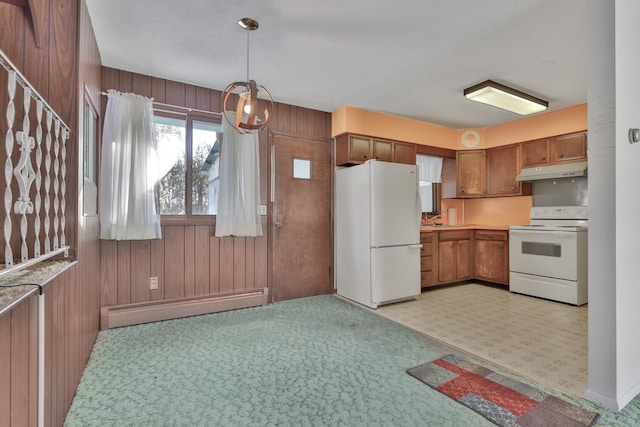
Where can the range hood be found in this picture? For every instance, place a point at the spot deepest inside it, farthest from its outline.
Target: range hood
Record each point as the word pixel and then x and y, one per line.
pixel 564 170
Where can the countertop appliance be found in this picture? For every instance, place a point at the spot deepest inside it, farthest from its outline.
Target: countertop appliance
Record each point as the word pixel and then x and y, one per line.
pixel 377 223
pixel 548 258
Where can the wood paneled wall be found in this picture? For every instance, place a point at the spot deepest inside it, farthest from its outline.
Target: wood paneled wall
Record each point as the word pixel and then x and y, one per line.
pixel 59 69
pixel 69 337
pixel 19 365
pixel 189 260
pixel 87 245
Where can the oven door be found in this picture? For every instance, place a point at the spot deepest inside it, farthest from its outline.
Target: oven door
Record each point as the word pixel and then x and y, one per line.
pixel 544 253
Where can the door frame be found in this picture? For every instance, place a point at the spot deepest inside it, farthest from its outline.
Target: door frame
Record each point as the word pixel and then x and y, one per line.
pixel 272 135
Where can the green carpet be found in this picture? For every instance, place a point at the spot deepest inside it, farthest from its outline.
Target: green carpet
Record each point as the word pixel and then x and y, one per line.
pixel 312 361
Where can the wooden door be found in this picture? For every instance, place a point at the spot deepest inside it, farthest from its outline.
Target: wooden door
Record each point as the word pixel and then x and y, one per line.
pixel 463 259
pixel 383 150
pixel 492 261
pixel 301 217
pixel 536 152
pixel 470 173
pixel 360 149
pixel 404 153
pixel 570 148
pixel 446 262
pixel 503 164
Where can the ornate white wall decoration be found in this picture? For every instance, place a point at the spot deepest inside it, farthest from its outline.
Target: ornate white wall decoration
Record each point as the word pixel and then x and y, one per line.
pixel 35 145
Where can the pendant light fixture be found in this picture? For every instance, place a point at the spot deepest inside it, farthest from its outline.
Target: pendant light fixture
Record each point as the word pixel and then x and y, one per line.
pixel 506 98
pixel 245 104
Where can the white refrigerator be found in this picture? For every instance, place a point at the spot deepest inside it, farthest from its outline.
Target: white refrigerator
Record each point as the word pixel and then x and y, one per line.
pixel 377 233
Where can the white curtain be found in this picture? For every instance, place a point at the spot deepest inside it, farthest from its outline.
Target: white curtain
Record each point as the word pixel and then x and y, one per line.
pixel 127 206
pixel 429 168
pixel 239 192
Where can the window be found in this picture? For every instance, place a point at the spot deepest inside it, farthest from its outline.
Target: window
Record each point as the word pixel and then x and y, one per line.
pixel 301 168
pixel 429 182
pixel 187 167
pixel 90 158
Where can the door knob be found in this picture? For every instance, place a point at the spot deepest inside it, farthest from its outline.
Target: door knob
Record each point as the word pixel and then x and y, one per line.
pixel 277 224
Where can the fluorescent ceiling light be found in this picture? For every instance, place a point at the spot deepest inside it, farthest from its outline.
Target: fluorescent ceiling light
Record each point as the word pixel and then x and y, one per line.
pixel 504 97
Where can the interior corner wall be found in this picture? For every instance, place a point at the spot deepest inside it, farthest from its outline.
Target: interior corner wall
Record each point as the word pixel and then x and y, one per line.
pixel 614 87
pixel 602 256
pixel 627 158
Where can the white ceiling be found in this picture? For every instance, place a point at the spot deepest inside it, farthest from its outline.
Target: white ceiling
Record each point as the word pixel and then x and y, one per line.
pixel 410 58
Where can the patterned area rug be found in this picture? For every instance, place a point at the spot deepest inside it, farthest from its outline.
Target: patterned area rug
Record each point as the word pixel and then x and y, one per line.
pixel 501 400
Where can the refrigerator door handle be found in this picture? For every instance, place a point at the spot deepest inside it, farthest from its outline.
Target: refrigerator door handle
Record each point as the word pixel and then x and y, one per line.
pixel 419 246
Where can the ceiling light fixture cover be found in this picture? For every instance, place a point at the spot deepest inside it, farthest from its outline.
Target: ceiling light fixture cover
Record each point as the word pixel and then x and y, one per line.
pixel 506 98
pixel 246 118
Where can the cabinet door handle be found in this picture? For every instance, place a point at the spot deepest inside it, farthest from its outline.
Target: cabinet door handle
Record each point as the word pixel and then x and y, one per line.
pixel 561 154
pixel 544 158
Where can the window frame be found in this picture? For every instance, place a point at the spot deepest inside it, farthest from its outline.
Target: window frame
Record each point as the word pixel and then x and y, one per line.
pixel 436 198
pixel 91 144
pixel 189 116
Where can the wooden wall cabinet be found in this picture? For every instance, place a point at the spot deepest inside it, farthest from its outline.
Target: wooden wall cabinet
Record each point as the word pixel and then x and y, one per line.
pixel 454 256
pixel 536 153
pixel 492 256
pixel 428 256
pixel 382 150
pixel 356 149
pixel 359 149
pixel 470 173
pixel 503 165
pixel 559 149
pixel 570 148
pixel 490 173
pixel 404 153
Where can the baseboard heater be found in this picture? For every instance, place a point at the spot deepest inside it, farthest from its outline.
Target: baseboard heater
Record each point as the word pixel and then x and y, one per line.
pixel 152 311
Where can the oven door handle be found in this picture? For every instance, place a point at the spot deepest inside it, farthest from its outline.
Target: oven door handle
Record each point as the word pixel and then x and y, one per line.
pixel 540 233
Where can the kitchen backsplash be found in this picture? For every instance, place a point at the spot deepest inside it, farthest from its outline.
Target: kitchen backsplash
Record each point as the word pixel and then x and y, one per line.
pixel 491 211
pixel 561 192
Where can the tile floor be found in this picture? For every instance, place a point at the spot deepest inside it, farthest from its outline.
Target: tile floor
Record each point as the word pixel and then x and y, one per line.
pixel 542 340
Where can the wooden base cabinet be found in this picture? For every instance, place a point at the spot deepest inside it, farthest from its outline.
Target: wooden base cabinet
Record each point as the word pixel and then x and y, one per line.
pixel 454 256
pixel 492 256
pixel 449 256
pixel 428 253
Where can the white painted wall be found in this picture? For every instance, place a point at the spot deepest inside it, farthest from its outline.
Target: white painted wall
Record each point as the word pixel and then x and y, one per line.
pixel 614 201
pixel 627 199
pixel 602 256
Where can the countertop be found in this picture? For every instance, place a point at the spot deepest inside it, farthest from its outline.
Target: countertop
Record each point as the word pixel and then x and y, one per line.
pixel 463 227
pixel 13 287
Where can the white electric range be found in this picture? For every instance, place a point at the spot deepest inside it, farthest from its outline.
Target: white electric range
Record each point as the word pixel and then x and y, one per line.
pixel 548 258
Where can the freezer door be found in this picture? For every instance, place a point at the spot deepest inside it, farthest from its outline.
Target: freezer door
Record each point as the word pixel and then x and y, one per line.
pixel 394 204
pixel 395 273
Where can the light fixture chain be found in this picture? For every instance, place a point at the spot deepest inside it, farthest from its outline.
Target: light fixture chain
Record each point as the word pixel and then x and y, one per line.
pixel 247 56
